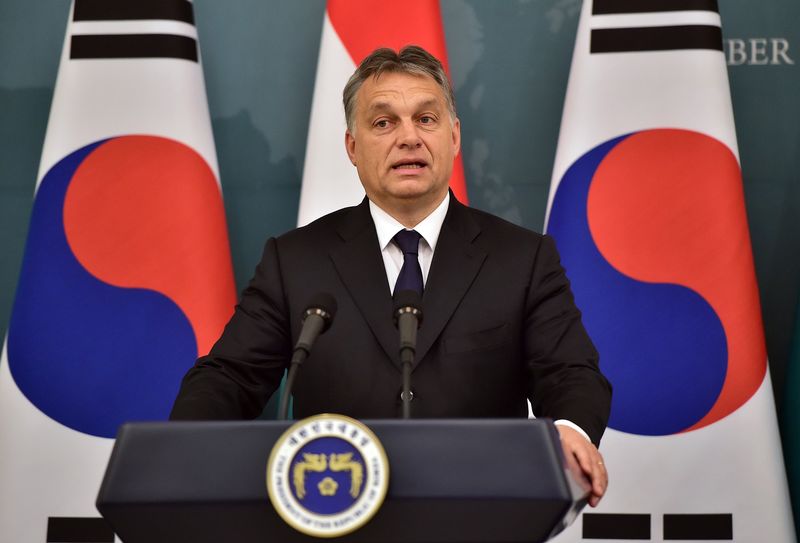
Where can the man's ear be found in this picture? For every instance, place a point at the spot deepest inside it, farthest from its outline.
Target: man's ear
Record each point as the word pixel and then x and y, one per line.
pixel 456 136
pixel 350 145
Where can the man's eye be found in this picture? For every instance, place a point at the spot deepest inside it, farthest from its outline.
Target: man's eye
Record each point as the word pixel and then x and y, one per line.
pixel 426 119
pixel 382 123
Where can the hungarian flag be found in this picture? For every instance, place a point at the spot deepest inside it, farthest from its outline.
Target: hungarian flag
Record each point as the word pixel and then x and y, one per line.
pixel 351 30
pixel 647 209
pixel 126 276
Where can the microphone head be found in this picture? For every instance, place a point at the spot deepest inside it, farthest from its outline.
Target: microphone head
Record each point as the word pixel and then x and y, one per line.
pixel 324 305
pixel 407 301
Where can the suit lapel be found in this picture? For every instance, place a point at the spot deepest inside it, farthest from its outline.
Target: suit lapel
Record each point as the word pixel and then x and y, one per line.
pixel 456 262
pixel 360 266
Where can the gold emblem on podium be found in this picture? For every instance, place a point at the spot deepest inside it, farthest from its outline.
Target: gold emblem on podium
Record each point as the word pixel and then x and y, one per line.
pixel 327 475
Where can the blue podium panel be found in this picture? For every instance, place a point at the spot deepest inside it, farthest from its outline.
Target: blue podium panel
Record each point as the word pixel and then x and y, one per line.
pixel 450 481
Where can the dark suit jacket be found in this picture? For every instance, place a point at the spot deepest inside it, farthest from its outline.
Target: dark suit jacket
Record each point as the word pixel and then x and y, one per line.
pixel 500 326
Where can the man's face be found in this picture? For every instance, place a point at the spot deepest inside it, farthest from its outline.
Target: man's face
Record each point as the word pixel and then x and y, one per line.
pixel 404 141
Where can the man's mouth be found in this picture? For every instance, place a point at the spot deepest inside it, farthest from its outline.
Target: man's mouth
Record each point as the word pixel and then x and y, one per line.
pixel 408 165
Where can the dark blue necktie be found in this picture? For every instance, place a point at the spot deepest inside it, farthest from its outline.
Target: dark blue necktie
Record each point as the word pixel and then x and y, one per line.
pixel 410 277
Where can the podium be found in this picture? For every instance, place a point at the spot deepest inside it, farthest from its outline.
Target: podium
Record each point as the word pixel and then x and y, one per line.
pixel 501 480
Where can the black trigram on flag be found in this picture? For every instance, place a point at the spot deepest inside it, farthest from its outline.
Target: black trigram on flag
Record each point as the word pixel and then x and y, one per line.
pixel 78 530
pixel 109 29
pixel 674 527
pixel 655 25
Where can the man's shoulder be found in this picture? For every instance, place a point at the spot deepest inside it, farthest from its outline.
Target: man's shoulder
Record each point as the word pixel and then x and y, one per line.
pixel 325 226
pixel 493 226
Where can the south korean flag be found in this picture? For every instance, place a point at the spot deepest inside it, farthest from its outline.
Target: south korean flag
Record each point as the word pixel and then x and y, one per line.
pixel 647 209
pixel 126 277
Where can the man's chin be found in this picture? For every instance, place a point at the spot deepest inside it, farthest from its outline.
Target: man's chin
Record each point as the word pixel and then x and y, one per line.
pixel 412 195
pixel 411 189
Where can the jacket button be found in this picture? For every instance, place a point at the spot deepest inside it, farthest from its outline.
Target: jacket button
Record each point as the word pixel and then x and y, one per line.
pixel 410 393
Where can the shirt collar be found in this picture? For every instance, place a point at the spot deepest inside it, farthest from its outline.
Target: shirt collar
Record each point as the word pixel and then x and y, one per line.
pixel 429 228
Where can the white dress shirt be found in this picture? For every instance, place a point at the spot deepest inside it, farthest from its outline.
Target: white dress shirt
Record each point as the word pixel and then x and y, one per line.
pixel 429 228
pixel 387 226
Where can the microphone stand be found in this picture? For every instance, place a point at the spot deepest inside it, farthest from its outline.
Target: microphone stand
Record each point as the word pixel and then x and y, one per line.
pixel 408 317
pixel 406 396
pixel 316 320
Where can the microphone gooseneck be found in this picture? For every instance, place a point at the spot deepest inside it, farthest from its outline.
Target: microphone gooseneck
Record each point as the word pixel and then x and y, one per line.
pixel 407 314
pixel 317 318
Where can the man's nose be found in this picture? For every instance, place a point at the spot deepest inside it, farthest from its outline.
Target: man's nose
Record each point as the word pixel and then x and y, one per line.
pixel 408 136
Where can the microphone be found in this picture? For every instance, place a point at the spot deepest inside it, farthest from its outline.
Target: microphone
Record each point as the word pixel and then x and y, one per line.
pixel 317 318
pixel 407 314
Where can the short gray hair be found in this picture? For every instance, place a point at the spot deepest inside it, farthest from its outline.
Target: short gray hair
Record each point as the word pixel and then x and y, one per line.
pixel 411 59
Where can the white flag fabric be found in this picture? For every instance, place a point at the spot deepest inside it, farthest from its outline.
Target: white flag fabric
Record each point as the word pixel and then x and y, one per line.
pixel 647 209
pixel 126 275
pixel 350 31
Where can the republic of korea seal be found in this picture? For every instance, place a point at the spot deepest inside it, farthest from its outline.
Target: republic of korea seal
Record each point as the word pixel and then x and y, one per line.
pixel 327 475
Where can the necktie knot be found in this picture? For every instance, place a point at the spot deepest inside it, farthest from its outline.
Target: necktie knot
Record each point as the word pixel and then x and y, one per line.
pixel 408 241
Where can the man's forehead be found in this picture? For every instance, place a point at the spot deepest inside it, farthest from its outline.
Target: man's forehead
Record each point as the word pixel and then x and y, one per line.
pixel 382 90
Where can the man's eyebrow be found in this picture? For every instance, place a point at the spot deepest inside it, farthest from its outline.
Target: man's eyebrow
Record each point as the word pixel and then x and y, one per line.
pixel 381 105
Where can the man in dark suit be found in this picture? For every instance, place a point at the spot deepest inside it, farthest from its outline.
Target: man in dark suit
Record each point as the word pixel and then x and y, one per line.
pixel 500 324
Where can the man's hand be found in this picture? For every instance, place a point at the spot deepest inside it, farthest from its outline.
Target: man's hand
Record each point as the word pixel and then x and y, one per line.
pixel 588 458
